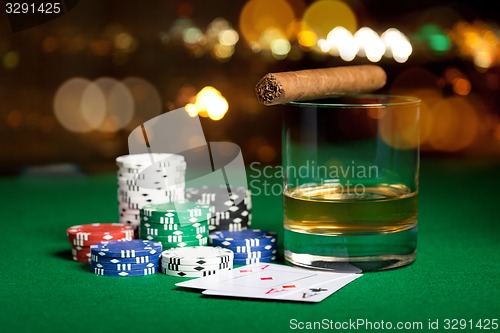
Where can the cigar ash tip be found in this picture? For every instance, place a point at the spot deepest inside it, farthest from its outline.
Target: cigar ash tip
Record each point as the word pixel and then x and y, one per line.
pixel 268 89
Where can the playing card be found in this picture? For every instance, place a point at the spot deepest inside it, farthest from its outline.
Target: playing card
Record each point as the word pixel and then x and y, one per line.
pixel 263 281
pixel 312 294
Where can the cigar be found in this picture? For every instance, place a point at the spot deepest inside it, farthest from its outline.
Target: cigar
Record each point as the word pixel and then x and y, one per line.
pixel 281 88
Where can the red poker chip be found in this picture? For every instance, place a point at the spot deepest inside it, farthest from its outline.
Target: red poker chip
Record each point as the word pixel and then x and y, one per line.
pixel 82 256
pixel 80 252
pixel 84 260
pixel 88 234
pixel 81 248
pixel 87 259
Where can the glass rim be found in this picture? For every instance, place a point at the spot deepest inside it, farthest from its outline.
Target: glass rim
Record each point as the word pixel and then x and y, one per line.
pixel 404 101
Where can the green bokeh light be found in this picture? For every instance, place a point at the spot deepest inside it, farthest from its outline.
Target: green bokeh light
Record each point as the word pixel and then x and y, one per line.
pixel 436 37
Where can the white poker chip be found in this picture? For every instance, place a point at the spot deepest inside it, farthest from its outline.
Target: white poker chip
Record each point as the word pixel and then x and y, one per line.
pixel 141 161
pixel 197 268
pixel 192 274
pixel 197 255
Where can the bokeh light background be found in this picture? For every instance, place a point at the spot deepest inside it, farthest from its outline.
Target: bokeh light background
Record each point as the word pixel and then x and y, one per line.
pixel 72 89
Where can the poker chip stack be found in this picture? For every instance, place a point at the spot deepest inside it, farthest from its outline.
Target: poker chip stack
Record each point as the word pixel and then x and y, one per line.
pixel 175 224
pixel 83 236
pixel 249 246
pixel 125 258
pixel 232 210
pixel 141 182
pixel 196 261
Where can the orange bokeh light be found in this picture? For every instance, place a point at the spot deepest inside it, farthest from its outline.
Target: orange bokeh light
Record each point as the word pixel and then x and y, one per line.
pixel 399 127
pixel 259 16
pixel 456 124
pixel 461 86
pixel 324 15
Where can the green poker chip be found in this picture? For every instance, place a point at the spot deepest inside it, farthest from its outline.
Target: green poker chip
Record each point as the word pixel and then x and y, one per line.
pixel 179 238
pixel 151 229
pixel 184 243
pixel 184 213
pixel 149 234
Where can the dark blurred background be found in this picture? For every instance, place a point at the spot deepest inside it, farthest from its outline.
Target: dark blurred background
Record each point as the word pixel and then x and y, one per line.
pixel 73 88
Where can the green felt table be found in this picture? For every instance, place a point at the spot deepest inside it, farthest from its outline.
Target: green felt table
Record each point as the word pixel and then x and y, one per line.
pixel 456 274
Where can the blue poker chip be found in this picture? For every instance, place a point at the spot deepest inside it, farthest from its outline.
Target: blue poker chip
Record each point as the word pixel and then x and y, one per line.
pixel 255 254
pixel 111 272
pixel 249 261
pixel 126 249
pixel 123 267
pixel 137 260
pixel 249 237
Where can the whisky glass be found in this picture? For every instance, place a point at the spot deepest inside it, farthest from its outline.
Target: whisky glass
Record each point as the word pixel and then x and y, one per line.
pixel 351 166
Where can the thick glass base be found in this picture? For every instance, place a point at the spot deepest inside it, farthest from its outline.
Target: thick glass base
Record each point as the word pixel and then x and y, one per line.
pixel 351 253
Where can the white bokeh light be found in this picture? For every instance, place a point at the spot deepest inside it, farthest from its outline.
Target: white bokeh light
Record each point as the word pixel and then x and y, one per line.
pixel 119 104
pixel 397 45
pixel 75 113
pixel 147 100
pixel 342 43
pixel 370 44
